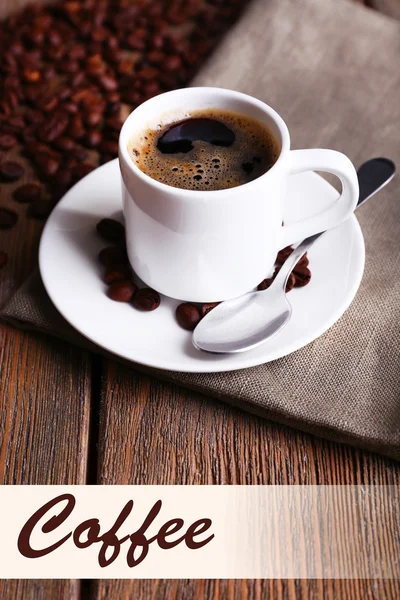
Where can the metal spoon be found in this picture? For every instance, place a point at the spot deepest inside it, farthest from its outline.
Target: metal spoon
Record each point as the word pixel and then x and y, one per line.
pixel 248 321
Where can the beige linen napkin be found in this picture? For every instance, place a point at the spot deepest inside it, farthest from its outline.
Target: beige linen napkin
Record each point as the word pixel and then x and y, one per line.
pixel 331 69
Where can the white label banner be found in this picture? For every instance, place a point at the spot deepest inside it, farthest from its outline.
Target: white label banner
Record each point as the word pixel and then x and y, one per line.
pixel 334 532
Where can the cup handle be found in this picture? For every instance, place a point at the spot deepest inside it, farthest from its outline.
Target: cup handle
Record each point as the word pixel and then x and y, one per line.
pixel 333 162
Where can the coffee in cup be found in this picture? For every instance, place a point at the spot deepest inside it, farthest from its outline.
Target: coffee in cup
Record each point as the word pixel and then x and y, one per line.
pixel 213 149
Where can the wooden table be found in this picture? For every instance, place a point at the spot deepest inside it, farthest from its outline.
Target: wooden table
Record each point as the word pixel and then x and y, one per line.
pixel 70 417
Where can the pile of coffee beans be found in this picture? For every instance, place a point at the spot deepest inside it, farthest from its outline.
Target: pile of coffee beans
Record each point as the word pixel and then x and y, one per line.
pixel 71 71
pixel 118 275
pixel 189 315
pixel 300 276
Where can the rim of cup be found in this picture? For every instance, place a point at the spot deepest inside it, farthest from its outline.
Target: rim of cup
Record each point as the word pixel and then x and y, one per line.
pixel 126 134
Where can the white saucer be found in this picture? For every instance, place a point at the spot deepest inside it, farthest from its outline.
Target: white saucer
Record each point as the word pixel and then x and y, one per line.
pixel 72 277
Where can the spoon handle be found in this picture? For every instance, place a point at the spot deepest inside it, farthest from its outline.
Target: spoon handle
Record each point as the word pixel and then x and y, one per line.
pixel 373 175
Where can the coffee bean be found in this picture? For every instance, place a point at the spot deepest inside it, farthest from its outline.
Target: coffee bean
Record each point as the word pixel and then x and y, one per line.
pixel 93 138
pixel 77 52
pixel 31 75
pixel 291 282
pixel 105 158
pixel 302 275
pixel 64 144
pixel 109 147
pixel 71 108
pixel 147 73
pixel 151 88
pixel 33 117
pixel 47 163
pixel 3 259
pixel 207 307
pixel 79 154
pixel 110 230
pixel 113 256
pixel 99 34
pixel 40 208
pixel 146 299
pixel 27 192
pixel 7 141
pixel 63 92
pixel 120 273
pixel 188 316
pixel 93 118
pixel 81 170
pixel 125 66
pixel 122 291
pixel 55 127
pixel 157 41
pixel 77 79
pixel 135 43
pixel 47 103
pixel 54 38
pixel 107 83
pixel 10 171
pixel 286 252
pixel 114 124
pixel 95 65
pixel 12 127
pixel 172 63
pixel 8 218
pixel 75 129
pixel 265 284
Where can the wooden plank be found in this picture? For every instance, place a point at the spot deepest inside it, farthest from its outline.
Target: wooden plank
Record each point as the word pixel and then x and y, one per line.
pixel 25 589
pixel 45 394
pixel 155 433
pixel 246 589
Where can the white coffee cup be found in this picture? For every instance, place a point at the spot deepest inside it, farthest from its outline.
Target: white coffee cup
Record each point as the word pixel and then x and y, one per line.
pixel 207 246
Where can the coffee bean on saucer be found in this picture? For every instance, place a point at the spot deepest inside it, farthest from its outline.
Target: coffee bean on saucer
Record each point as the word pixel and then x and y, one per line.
pixel 146 299
pixel 8 218
pixel 10 171
pixel 82 170
pixel 291 282
pixel 112 256
pixel 122 291
pixel 206 307
pixel 302 276
pixel 282 256
pixel 110 230
pixel 118 273
pixel 187 315
pixel 3 259
pixel 267 282
pixel 27 192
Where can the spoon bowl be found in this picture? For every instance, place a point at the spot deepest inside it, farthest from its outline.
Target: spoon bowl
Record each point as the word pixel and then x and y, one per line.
pixel 241 321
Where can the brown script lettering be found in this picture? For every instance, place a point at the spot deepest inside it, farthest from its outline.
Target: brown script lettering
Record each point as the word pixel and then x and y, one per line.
pixel 89 532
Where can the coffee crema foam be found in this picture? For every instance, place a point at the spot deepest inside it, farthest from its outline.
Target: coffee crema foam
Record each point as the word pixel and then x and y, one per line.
pixel 207 166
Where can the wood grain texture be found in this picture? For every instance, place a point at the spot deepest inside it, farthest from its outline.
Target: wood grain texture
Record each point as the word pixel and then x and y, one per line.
pixel 243 589
pixel 45 393
pixel 157 433
pixel 27 589
pixel 150 432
